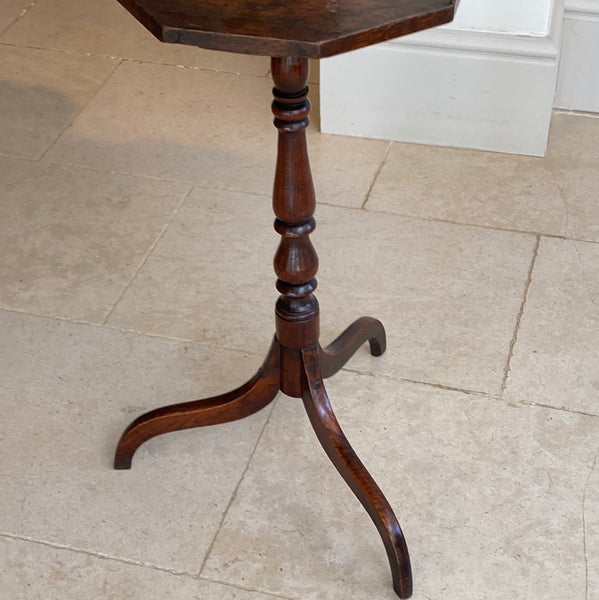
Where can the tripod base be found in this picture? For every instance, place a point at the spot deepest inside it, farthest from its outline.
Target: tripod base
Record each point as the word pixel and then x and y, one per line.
pixel 313 364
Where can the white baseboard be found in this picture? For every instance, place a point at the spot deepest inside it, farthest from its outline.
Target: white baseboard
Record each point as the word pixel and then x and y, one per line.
pixel 578 82
pixel 447 87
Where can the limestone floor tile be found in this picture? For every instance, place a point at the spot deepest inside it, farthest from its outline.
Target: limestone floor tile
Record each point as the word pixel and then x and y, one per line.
pixel 574 159
pixel 210 277
pixel 448 295
pixel 574 137
pixel 478 188
pixel 591 501
pixel 41 92
pixel 556 357
pixel 105 28
pixel 489 497
pixel 344 167
pixel 210 128
pixel 32 571
pixel 71 239
pixel 578 180
pixel 10 12
pixel 67 393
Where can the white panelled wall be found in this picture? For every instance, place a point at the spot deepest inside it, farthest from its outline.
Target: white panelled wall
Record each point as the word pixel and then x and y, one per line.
pixel 578 83
pixel 532 17
pixel 486 81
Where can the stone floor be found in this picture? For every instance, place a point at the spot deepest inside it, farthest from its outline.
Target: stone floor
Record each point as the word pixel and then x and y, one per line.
pixel 135 269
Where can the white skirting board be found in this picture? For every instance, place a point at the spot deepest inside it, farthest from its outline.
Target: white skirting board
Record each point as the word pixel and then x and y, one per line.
pixel 578 82
pixel 447 87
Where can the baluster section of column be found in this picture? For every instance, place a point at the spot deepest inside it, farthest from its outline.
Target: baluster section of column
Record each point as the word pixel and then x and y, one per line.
pixel 295 262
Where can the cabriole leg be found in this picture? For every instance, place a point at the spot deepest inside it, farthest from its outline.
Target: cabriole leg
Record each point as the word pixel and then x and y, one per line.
pixel 242 402
pixel 354 473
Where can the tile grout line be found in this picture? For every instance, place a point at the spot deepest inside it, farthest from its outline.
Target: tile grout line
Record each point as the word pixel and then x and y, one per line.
pixel 514 339
pixel 70 123
pixel 19 16
pixel 96 554
pixel 462 223
pixel 71 165
pixel 438 386
pixel 97 325
pixel 376 176
pixel 245 589
pixel 137 332
pixel 191 67
pixel 459 223
pixel 247 352
pixel 131 562
pixel 319 202
pixel 550 407
pixel 265 195
pixel 234 495
pixel 126 58
pixel 196 184
pixel 467 392
pixel 145 258
pixel 346 369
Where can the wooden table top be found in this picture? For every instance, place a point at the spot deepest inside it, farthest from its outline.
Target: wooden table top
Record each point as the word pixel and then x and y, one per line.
pixel 302 28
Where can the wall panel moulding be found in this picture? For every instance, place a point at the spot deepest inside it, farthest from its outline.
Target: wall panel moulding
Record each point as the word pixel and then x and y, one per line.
pixel 578 82
pixel 451 86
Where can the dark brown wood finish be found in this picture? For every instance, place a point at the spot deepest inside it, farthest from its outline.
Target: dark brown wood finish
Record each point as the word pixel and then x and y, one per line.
pixel 241 402
pixel 308 28
pixel 355 474
pixel 296 363
pixel 338 352
pixel 294 201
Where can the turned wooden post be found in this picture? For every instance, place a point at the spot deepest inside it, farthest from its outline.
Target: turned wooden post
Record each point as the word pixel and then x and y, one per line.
pixel 294 201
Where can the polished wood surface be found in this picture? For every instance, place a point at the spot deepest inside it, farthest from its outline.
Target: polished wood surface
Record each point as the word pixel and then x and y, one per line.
pixel 306 28
pixel 355 474
pixel 241 402
pixel 338 352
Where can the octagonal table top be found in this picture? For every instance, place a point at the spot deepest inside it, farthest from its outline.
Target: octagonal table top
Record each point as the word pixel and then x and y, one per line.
pixel 302 28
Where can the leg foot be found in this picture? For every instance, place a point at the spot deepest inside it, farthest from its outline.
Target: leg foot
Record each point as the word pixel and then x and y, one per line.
pixel 354 473
pixel 336 354
pixel 242 402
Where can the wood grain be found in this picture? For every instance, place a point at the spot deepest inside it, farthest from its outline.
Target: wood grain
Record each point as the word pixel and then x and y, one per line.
pixel 308 28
